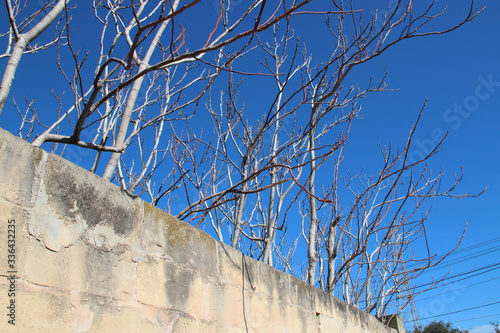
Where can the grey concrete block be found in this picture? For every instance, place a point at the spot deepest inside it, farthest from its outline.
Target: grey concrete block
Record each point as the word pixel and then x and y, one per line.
pixel 184 244
pixel 72 191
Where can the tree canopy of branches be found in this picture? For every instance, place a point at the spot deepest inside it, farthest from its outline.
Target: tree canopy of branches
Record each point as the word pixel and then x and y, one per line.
pixel 217 112
pixel 495 327
pixel 439 327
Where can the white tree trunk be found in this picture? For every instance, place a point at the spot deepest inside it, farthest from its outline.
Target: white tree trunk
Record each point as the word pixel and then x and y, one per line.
pixel 132 98
pixel 22 42
pixel 311 252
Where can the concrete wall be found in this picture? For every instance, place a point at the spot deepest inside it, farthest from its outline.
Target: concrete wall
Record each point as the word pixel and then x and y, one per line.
pixel 88 257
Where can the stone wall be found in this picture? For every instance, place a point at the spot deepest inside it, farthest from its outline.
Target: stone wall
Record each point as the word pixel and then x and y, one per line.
pixel 89 257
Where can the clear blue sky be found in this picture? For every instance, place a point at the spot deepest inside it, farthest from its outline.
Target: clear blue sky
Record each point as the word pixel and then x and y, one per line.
pixel 452 72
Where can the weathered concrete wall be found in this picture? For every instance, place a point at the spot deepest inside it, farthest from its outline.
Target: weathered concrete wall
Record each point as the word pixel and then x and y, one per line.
pixel 88 257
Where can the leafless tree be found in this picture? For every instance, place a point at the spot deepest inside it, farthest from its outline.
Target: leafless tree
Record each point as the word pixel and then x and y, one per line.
pixel 168 106
pixel 24 30
pixel 369 244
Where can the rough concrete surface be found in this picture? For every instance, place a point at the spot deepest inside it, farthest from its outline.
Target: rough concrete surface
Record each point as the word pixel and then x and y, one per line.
pixel 87 256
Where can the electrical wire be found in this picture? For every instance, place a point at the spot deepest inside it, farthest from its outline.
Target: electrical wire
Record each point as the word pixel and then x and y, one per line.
pixel 464 278
pixel 461 259
pixel 465 258
pixel 433 285
pixel 474 246
pixel 492 268
pixel 458 311
pixel 465 287
pixel 457 321
pixel 465 249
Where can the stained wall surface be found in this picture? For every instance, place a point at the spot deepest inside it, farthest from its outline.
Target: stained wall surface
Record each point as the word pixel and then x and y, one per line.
pixel 86 256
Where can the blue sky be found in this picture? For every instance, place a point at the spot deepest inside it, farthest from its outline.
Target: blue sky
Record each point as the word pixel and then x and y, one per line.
pixel 459 75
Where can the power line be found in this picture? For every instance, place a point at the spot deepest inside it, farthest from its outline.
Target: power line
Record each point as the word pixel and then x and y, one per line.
pixel 493 267
pixel 463 310
pixel 465 287
pixel 465 258
pixel 474 246
pixel 439 284
pixel 457 321
pixel 454 260
pixel 435 286
pixel 465 249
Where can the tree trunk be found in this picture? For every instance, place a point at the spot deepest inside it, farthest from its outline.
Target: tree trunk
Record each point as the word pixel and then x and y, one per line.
pixel 311 253
pixel 127 114
pixel 22 42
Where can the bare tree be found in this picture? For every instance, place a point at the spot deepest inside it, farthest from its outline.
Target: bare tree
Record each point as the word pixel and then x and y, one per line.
pixel 168 106
pixel 24 30
pixel 371 239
